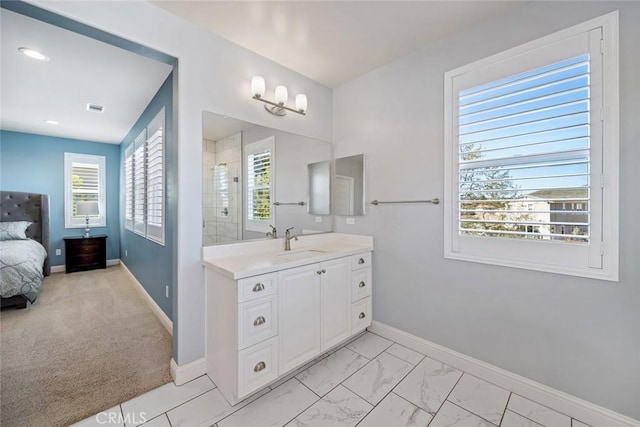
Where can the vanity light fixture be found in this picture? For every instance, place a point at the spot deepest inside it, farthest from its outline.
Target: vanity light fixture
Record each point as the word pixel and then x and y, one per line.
pixel 278 107
pixel 32 53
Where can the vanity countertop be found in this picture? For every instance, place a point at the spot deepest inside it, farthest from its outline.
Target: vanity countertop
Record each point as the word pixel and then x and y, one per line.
pixel 252 258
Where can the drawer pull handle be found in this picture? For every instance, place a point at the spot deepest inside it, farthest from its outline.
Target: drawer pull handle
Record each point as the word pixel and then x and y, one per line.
pixel 361 285
pixel 324 271
pixel 258 287
pixel 259 367
pixel 319 272
pixel 259 321
pixel 362 316
pixel 361 261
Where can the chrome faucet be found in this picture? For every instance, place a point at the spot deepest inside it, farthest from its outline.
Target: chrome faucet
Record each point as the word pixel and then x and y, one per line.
pixel 287 239
pixel 273 233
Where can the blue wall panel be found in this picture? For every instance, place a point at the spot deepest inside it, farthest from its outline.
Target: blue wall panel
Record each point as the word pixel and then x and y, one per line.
pixel 35 163
pixel 151 263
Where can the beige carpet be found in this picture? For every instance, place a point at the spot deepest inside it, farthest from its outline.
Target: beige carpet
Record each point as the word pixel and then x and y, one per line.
pixel 89 343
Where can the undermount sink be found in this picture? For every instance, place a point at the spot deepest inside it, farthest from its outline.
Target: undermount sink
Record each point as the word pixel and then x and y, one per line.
pixel 300 254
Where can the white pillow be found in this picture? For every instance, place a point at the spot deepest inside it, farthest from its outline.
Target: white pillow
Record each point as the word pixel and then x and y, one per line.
pixel 15 230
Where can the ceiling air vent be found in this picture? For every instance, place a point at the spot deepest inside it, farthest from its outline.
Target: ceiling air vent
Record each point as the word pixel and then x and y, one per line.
pixel 95 108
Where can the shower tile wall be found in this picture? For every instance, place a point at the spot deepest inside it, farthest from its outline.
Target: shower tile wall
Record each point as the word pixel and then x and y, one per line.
pixel 222 186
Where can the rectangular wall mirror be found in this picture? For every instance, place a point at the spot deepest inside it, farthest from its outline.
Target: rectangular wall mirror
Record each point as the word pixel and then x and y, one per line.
pixel 348 190
pixel 254 177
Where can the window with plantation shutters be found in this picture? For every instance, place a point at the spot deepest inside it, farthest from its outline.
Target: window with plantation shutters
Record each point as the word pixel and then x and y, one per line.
pixel 155 179
pixel 144 174
pixel 531 155
pixel 259 160
pixel 84 182
pixel 139 184
pixel 128 187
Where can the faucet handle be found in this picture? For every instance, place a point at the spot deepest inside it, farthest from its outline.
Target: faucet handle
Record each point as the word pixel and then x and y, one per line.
pixel 289 229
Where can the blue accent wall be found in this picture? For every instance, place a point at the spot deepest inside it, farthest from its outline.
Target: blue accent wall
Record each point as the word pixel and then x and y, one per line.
pixel 35 163
pixel 151 263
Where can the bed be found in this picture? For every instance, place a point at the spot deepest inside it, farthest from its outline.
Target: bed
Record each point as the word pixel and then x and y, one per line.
pixel 23 262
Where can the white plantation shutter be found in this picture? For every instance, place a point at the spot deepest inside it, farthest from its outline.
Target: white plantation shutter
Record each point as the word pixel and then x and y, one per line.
pixel 526 155
pixel 259 158
pixel 155 179
pixel 84 182
pixel 139 183
pixel 128 187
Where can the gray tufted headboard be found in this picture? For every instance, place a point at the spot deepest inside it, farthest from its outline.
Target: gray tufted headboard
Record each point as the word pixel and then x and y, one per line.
pixel 16 206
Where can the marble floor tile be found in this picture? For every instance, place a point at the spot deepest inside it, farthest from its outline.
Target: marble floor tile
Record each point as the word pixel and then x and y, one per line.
pixel 405 354
pixel 576 423
pixel 159 421
pixel 451 415
pixel 369 345
pixel 429 384
pixel 207 409
pixel 378 377
pixel 275 408
pixel 339 408
pixel 164 398
pixel 331 371
pixel 297 371
pixel 511 419
pixel 112 417
pixel 480 397
pixel 538 413
pixel 397 412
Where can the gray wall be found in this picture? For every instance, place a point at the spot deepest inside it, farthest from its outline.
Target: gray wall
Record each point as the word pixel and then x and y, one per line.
pixel 577 335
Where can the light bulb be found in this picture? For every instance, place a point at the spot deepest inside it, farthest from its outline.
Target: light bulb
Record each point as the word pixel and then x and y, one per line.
pixel 257 86
pixel 281 95
pixel 32 53
pixel 301 102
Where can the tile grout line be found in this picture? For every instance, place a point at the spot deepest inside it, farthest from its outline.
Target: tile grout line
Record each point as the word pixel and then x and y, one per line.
pixel 506 408
pixel 473 413
pixel 529 419
pixel 446 399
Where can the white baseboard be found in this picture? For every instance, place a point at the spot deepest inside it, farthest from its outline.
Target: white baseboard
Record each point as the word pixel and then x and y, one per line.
pixel 164 319
pixel 185 373
pixel 565 403
pixel 62 268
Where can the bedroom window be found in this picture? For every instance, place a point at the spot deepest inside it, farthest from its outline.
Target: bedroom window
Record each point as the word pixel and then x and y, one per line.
pixel 259 157
pixel 84 181
pixel 532 155
pixel 144 182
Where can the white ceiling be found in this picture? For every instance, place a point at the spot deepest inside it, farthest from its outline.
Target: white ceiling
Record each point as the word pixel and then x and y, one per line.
pixel 333 42
pixel 80 70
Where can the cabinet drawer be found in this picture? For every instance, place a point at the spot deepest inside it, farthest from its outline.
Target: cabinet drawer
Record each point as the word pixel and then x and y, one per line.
pixel 87 248
pixel 361 261
pixel 257 366
pixel 361 315
pixel 256 287
pixel 360 284
pixel 257 320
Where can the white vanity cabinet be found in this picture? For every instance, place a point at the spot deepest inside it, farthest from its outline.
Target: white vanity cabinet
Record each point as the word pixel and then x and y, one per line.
pixel 261 327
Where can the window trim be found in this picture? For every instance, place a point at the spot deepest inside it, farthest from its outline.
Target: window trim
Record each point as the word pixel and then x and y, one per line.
pixel 100 161
pixel 609 158
pixel 270 144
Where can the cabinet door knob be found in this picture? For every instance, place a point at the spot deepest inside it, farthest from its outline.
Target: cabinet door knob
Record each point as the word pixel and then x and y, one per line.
pixel 362 316
pixel 319 272
pixel 361 285
pixel 361 261
pixel 259 321
pixel 258 287
pixel 259 367
pixel 324 271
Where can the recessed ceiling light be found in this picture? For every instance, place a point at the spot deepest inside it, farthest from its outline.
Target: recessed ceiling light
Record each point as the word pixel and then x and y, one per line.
pixel 51 122
pixel 34 54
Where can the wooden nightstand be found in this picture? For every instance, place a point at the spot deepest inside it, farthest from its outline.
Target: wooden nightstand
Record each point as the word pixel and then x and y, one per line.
pixel 85 253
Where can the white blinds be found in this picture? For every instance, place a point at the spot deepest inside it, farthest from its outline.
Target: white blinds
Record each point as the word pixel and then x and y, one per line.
pixel 139 183
pixel 128 187
pixel 155 179
pixel 259 186
pixel 85 185
pixel 524 155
